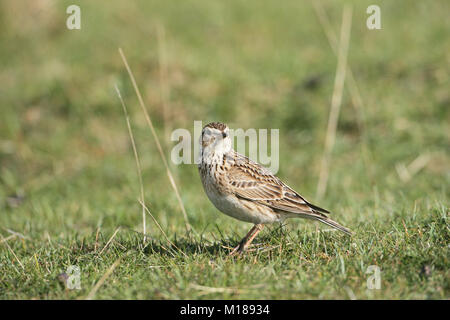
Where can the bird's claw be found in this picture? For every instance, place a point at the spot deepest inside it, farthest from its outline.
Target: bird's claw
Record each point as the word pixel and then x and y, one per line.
pixel 238 250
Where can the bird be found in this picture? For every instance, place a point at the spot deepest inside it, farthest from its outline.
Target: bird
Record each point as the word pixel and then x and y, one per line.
pixel 247 191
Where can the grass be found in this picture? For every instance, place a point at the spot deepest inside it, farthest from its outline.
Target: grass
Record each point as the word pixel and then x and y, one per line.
pixel 68 176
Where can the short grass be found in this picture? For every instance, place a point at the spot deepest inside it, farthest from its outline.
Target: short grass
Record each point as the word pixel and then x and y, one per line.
pixel 68 178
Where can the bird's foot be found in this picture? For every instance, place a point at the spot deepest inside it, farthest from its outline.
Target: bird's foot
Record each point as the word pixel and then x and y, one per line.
pixel 239 249
pixel 245 243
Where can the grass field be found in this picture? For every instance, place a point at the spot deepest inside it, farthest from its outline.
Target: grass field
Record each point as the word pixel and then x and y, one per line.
pixel 68 179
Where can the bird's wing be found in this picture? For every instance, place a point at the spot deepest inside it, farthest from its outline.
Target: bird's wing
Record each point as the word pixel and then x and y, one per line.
pixel 249 180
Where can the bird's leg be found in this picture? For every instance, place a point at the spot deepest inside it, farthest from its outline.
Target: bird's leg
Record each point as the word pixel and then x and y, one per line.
pixel 245 242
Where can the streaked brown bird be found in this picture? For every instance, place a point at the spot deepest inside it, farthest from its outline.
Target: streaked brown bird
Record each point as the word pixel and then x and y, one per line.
pixel 245 190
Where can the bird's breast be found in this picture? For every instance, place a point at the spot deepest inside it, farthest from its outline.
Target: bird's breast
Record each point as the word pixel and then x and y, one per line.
pixel 231 205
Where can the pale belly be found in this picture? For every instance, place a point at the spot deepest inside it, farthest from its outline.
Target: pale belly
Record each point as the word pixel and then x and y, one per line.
pixel 241 209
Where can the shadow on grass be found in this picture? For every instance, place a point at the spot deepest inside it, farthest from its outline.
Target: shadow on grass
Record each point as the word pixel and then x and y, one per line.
pixel 191 245
pixel 275 240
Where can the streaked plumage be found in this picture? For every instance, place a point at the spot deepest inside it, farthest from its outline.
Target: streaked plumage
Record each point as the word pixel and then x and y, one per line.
pixel 243 189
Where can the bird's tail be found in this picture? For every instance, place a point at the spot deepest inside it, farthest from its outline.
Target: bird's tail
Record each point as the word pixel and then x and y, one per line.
pixel 335 225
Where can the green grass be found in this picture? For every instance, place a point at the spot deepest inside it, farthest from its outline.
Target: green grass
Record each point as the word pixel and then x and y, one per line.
pixel 67 171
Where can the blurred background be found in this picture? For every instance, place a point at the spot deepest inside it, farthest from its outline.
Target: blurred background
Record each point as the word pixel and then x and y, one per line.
pixel 66 163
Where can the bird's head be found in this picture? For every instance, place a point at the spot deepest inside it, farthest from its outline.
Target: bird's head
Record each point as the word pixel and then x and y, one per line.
pixel 215 138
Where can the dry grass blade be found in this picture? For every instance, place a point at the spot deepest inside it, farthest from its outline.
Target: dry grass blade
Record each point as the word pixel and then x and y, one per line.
pixel 419 163
pixel 163 78
pixel 350 293
pixel 8 238
pixel 109 241
pixel 96 239
pixel 16 233
pixel 162 231
pixel 336 100
pixel 407 173
pixel 353 89
pixel 333 41
pixel 136 157
pixel 12 251
pixel 208 290
pixel 158 144
pixel 102 280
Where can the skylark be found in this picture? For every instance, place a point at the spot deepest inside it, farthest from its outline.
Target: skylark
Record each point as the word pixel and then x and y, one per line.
pixel 245 190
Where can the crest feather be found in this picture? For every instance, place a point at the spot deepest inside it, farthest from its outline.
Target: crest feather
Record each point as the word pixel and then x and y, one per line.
pixel 216 125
